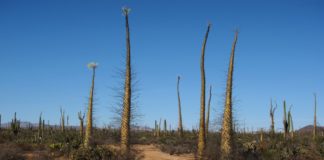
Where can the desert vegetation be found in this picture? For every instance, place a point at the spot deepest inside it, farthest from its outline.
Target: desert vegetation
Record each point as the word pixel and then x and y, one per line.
pixel 19 140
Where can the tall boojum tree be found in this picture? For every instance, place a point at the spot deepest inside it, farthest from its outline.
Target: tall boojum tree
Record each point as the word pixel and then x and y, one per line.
pixel 202 133
pixel 180 128
pixel 88 141
pixel 227 126
pixel 126 115
pixel 315 121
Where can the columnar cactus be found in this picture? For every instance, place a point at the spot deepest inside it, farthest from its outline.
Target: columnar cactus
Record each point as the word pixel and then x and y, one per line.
pixel 40 126
pixel 0 121
pixel 208 110
pixel 159 128
pixel 180 129
pixel 165 127
pixel 272 111
pixel 155 128
pixel 285 121
pixel 15 125
pixel 290 124
pixel 126 115
pixel 67 120
pixel 43 127
pixel 62 120
pixel 88 137
pixel 202 133
pixel 81 118
pixel 227 130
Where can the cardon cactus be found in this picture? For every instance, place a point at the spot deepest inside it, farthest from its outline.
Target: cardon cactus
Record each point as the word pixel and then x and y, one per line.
pixel 15 125
pixel 81 118
pixel 62 120
pixel 272 112
pixel 40 126
pixel 290 124
pixel 285 121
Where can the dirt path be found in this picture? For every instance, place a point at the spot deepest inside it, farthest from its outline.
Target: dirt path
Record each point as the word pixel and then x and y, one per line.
pixel 146 152
pixel 150 152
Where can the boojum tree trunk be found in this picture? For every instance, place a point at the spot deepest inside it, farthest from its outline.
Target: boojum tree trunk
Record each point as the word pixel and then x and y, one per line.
pixel 202 133
pixel 208 111
pixel 315 107
pixel 180 129
pixel 126 115
pixel 88 141
pixel 227 130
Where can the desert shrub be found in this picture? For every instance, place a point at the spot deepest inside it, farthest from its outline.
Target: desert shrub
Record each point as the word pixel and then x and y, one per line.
pixel 96 153
pixel 212 151
pixel 65 142
pixel 173 144
pixel 143 137
pixel 101 153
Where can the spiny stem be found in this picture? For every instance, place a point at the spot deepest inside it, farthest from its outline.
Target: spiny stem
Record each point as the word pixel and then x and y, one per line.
pixel 202 134
pixel 227 130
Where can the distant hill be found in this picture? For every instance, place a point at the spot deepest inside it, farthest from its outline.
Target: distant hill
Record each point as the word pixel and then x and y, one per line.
pixel 309 129
pixel 22 124
pixel 27 124
pixel 35 125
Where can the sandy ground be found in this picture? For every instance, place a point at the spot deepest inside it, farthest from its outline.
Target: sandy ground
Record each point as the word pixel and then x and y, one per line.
pixel 147 152
pixel 150 152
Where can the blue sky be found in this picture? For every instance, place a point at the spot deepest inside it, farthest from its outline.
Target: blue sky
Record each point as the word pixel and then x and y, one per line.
pixel 45 47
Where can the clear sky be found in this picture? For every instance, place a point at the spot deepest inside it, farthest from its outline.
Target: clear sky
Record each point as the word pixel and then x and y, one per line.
pixel 45 47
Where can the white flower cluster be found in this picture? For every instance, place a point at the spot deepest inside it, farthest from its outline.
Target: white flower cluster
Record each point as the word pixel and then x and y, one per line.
pixel 92 65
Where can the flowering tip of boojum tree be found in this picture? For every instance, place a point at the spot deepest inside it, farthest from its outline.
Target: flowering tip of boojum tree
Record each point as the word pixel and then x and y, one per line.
pixel 92 65
pixel 126 10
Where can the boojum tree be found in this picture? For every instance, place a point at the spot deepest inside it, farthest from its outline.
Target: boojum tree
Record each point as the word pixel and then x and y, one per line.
pixel 227 126
pixel 180 129
pixel 126 115
pixel 315 108
pixel 88 141
pixel 202 133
